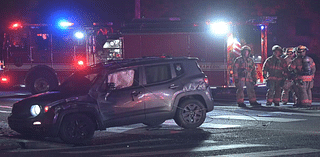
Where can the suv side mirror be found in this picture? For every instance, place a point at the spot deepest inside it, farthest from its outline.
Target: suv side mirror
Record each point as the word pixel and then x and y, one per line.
pixel 111 86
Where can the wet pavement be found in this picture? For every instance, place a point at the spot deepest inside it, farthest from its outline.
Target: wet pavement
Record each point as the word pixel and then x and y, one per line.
pixel 226 115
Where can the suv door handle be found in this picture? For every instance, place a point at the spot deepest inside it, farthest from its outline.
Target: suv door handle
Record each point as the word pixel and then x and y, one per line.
pixel 173 86
pixel 135 93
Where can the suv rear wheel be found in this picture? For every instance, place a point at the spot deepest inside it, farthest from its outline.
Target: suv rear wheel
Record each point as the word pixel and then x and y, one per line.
pixel 77 129
pixel 190 114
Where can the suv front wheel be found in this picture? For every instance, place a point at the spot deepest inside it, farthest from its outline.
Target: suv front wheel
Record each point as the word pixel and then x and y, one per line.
pixel 190 114
pixel 77 129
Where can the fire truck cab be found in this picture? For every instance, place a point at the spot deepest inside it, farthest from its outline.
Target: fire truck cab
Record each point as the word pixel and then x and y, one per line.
pixel 41 56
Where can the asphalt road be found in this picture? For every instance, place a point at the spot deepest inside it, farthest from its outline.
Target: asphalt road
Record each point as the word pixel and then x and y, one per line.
pixel 227 131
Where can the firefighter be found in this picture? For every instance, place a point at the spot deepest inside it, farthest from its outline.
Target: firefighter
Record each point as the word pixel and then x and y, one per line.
pixel 289 83
pixel 245 75
pixel 304 68
pixel 274 69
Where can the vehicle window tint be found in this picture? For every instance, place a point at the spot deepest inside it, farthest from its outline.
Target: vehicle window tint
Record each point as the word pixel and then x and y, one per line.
pixel 122 79
pixel 158 73
pixel 62 44
pixel 178 69
pixel 17 41
pixel 42 41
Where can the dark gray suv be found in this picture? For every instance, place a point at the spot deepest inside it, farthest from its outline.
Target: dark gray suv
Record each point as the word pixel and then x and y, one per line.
pixel 144 90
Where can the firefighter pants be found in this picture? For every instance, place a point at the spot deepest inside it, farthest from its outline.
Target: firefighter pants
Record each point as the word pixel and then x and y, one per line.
pixel 250 91
pixel 304 92
pixel 274 91
pixel 288 86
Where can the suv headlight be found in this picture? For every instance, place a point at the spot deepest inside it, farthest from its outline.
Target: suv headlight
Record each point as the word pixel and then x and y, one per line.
pixel 35 110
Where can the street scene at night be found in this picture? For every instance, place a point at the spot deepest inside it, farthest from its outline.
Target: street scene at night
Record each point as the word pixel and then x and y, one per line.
pixel 160 78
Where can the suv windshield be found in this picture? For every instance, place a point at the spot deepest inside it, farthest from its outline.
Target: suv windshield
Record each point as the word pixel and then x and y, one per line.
pixel 79 82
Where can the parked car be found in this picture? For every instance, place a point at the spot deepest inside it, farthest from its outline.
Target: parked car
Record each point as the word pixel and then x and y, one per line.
pixel 144 90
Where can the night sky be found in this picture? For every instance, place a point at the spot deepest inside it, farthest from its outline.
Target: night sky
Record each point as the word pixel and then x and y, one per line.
pixel 79 11
pixel 85 12
pixel 89 11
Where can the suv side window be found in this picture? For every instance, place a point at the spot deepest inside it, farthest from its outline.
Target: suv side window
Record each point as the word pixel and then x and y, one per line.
pixel 178 68
pixel 124 78
pixel 158 73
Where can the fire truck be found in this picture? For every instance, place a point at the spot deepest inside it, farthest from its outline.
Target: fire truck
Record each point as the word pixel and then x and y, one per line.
pixel 41 56
pixel 215 43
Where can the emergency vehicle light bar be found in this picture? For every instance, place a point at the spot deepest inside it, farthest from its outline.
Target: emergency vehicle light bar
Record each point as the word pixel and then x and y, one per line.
pixel 66 24
pixel 63 24
pixel 219 28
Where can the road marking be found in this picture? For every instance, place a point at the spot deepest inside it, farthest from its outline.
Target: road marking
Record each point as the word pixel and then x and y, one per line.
pixel 119 129
pixel 205 125
pixel 5 111
pixel 218 126
pixel 189 150
pixel 9 107
pixel 300 114
pixel 184 150
pixel 275 153
pixel 138 130
pixel 68 147
pixel 273 119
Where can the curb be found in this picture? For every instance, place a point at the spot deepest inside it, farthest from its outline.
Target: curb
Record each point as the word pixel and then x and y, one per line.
pixel 7 144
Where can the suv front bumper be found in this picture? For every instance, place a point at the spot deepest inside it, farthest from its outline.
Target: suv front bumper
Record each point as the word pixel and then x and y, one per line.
pixel 33 126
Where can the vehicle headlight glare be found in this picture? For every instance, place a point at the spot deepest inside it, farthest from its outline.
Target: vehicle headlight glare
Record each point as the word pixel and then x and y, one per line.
pixel 35 110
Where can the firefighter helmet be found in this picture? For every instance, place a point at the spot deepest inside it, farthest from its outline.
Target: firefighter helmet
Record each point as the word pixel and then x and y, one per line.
pixel 301 48
pixel 276 47
pixel 289 49
pixel 243 48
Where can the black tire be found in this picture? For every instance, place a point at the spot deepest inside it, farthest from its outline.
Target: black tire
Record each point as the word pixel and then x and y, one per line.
pixel 43 82
pixel 76 129
pixel 190 114
pixel 153 123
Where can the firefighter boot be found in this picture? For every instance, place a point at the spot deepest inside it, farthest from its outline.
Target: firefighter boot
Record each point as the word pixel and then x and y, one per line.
pixel 255 104
pixel 242 105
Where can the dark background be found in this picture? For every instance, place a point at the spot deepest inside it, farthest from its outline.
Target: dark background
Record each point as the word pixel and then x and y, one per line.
pixel 298 20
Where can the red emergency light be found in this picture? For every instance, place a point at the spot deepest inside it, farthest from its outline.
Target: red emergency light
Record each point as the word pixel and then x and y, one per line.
pixel 16 25
pixel 4 79
pixel 80 63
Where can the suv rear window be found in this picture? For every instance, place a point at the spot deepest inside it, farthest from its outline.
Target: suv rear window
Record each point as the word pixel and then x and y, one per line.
pixel 158 73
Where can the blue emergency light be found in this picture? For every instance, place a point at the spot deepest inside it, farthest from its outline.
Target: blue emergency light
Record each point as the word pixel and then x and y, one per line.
pixel 79 35
pixel 65 24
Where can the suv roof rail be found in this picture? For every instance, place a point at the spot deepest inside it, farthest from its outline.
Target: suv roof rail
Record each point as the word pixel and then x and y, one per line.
pixel 144 59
